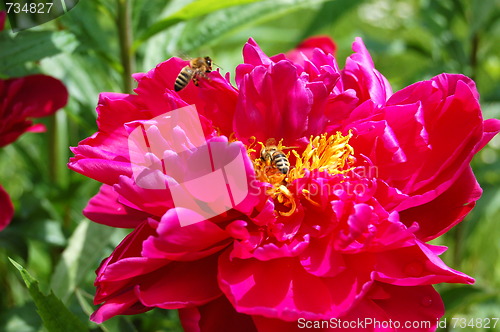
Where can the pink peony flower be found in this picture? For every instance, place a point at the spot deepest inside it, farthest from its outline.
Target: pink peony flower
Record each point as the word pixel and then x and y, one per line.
pixel 343 235
pixel 6 209
pixel 27 97
pixel 21 99
pixel 3 16
pixel 306 48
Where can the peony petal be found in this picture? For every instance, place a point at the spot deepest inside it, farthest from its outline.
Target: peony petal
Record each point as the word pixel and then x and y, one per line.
pixel 3 16
pixel 6 209
pixel 491 128
pixel 175 242
pixel 452 140
pixel 418 305
pixel 252 54
pixel 282 289
pixel 105 209
pixel 215 99
pixel 217 315
pixel 273 102
pixel 360 75
pixel 320 259
pixel 447 209
pixel 32 96
pixel 181 284
pixel 413 266
pixel 123 304
pixel 128 251
pixel 416 308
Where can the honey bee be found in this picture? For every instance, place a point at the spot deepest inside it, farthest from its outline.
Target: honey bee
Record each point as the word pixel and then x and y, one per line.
pixel 272 155
pixel 198 67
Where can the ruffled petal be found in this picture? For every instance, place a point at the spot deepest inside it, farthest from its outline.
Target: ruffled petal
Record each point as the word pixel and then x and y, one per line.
pixel 414 266
pixel 104 208
pixel 180 284
pixel 32 96
pixel 360 75
pixel 446 210
pixel 282 289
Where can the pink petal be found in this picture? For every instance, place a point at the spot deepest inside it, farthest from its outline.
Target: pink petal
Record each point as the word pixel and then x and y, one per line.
pixel 446 210
pixel 491 128
pixel 272 103
pixel 452 139
pixel 155 88
pixel 217 315
pixel 321 259
pixel 252 54
pixel 181 284
pixel 6 209
pixel 360 74
pixel 105 209
pixel 3 16
pixel 281 288
pixel 215 99
pixel 418 305
pixel 27 97
pixel 412 304
pixel 416 265
pixel 177 242
pixel 306 49
pixel 123 304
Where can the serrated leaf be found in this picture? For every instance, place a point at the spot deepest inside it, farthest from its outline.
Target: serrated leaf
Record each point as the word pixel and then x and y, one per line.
pixel 55 316
pixel 83 253
pixel 195 9
pixel 33 46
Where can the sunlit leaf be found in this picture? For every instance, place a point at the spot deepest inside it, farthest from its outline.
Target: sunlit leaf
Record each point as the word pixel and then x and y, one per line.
pixel 195 9
pixel 217 25
pixel 56 317
pixel 33 46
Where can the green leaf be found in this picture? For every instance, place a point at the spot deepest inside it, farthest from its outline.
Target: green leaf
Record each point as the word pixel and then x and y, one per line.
pixel 195 9
pixel 33 46
pixel 55 316
pixel 83 254
pixel 217 25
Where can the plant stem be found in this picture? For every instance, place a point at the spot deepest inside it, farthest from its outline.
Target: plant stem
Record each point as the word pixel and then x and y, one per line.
pixel 124 25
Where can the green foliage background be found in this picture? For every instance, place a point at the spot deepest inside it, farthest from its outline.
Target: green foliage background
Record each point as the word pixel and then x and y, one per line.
pixel 95 46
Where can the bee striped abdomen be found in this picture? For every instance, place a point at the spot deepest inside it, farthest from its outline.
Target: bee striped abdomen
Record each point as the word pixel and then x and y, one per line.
pixel 274 157
pixel 183 78
pixel 197 68
pixel 281 162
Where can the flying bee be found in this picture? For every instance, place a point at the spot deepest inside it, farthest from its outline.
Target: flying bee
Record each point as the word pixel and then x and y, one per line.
pixel 198 67
pixel 272 155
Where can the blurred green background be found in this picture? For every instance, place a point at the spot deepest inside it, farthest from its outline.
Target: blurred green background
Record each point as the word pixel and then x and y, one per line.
pixel 94 48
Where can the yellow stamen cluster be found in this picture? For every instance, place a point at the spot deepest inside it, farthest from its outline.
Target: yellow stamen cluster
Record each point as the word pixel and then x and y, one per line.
pixel 324 153
pixel 332 154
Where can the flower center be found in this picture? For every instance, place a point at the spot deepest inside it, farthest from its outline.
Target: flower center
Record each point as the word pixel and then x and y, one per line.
pixel 331 154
